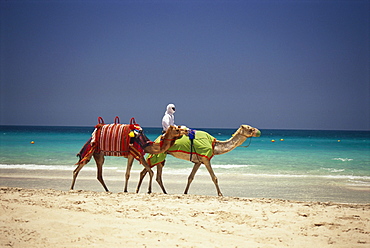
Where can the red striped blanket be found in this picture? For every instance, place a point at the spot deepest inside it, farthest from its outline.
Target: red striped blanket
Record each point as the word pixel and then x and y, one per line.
pixel 113 139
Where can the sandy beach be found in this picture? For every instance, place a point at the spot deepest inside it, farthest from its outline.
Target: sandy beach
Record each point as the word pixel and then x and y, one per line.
pixel 55 218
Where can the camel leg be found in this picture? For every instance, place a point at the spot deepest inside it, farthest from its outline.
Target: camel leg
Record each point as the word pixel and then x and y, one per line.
pixel 75 174
pixel 99 159
pixel 151 173
pixel 142 175
pixel 213 176
pixel 130 160
pixel 159 177
pixel 191 176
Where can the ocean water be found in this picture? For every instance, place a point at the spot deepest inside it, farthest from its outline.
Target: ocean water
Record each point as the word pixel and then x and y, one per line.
pixel 294 154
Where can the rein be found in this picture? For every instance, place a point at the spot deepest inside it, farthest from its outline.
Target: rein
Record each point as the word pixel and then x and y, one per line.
pixel 163 138
pixel 176 138
pixel 250 141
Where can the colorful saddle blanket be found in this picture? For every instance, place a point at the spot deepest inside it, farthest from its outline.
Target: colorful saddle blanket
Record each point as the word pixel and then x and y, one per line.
pixel 203 144
pixel 114 140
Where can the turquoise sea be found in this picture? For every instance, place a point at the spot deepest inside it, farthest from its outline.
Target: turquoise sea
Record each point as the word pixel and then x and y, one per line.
pixel 295 154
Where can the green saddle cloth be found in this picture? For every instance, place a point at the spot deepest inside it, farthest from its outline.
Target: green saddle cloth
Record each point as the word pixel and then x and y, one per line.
pixel 203 144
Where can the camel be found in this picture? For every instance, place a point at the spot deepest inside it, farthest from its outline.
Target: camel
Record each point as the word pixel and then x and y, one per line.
pixel 168 140
pixel 219 147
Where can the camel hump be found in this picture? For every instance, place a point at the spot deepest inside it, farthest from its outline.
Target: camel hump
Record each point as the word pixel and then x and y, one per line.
pixel 113 139
pixel 203 134
pixel 203 144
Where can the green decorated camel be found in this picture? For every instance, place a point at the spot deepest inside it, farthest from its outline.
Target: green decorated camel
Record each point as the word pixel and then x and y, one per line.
pixel 199 151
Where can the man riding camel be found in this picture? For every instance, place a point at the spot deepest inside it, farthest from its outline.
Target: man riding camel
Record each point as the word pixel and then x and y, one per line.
pixel 168 118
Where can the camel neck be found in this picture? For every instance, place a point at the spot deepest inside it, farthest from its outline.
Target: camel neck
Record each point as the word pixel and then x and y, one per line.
pixel 222 147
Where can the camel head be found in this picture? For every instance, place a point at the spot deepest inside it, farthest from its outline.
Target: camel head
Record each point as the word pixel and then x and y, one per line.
pixel 175 132
pixel 249 131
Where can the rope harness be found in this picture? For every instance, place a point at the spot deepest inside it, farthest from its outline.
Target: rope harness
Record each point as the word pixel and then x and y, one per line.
pixel 250 141
pixel 191 136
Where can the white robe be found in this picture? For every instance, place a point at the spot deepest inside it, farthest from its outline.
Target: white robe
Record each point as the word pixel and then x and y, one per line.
pixel 168 118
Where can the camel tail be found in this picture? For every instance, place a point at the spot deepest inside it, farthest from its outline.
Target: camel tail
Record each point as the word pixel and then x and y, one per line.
pixel 86 152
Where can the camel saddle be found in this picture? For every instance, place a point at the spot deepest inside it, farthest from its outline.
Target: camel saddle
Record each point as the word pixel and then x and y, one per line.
pixel 201 144
pixel 116 139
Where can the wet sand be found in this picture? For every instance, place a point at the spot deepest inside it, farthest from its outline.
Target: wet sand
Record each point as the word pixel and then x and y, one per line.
pixel 248 186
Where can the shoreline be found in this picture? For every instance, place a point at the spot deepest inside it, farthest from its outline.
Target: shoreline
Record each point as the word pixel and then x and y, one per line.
pixel 79 218
pixel 308 189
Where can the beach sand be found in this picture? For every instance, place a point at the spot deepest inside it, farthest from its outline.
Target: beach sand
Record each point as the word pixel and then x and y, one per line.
pixel 55 218
pixel 38 210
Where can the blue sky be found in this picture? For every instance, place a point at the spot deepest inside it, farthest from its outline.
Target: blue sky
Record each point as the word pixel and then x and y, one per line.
pixel 270 64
